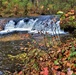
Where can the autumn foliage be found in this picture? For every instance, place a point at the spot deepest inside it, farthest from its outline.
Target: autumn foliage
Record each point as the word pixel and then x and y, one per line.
pixel 36 59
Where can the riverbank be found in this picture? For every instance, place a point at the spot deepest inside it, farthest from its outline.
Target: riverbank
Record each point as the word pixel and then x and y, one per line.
pixel 29 55
pixel 22 36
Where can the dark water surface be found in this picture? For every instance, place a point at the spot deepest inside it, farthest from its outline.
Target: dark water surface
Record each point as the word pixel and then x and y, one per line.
pixel 9 47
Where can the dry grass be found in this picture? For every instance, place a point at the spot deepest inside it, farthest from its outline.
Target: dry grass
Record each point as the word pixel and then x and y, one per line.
pixel 14 37
pixel 10 38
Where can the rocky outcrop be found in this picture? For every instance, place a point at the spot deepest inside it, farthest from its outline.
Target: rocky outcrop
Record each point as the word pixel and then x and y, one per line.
pixel 2 23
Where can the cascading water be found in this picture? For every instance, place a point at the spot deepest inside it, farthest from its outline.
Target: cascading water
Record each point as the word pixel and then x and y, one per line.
pixel 10 25
pixel 41 23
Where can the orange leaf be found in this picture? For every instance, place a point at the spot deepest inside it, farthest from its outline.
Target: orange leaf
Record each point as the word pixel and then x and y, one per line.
pixel 45 71
pixel 56 67
pixel 66 15
pixel 20 73
pixel 68 64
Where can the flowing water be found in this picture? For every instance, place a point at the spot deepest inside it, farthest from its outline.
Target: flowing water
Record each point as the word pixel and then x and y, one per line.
pixel 48 24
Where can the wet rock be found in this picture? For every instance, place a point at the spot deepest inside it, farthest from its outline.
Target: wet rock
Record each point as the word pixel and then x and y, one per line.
pixel 0 59
pixel 1 73
pixel 2 23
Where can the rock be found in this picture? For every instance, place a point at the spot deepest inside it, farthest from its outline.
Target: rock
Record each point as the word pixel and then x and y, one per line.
pixel 2 23
pixel 74 33
pixel 1 73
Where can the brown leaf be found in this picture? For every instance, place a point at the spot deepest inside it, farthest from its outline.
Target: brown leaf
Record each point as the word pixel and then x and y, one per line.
pixel 68 64
pixel 56 67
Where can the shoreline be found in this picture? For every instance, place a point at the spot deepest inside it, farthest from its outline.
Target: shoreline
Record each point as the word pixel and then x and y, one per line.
pixel 23 36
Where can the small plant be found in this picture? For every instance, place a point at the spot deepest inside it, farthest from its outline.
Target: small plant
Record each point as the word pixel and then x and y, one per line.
pixel 72 52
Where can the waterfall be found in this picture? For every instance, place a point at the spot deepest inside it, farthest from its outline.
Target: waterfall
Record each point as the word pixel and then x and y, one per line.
pixel 34 25
pixel 10 25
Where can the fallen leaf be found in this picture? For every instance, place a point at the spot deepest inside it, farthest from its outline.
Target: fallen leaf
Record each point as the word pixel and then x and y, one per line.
pixel 56 67
pixel 45 71
pixel 20 73
pixel 68 64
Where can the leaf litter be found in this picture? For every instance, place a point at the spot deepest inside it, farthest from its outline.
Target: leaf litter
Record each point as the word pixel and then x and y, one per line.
pixel 53 60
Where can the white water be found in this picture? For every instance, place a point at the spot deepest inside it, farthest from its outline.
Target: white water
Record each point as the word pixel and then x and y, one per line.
pixel 44 24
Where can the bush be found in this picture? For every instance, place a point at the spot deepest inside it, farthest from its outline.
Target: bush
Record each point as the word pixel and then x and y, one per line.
pixel 68 23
